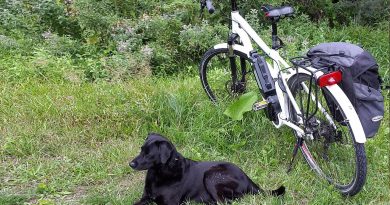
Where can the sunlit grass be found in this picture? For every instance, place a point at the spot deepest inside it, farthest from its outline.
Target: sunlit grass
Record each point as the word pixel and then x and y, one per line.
pixel 71 143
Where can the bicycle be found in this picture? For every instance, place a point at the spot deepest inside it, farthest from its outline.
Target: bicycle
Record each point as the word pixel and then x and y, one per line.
pixel 297 96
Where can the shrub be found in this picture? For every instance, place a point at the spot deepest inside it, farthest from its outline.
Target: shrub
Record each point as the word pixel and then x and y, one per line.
pixel 18 16
pixel 119 39
pixel 345 11
pixel 123 66
pixel 125 38
pixel 96 19
pixel 8 43
pixel 59 17
pixel 195 40
pixel 161 34
pixel 186 11
pixel 372 12
pixel 61 45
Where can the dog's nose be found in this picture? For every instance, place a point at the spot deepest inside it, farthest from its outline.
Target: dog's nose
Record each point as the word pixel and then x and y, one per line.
pixel 133 164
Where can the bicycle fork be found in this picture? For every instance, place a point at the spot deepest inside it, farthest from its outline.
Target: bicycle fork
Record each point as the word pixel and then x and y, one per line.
pixel 237 84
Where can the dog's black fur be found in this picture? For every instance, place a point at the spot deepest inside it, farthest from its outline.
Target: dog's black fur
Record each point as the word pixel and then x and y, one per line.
pixel 172 179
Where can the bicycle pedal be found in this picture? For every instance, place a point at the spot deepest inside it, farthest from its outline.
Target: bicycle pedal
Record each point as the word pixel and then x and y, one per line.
pixel 260 105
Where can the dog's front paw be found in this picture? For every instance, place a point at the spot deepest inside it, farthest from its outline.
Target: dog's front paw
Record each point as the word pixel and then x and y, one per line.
pixel 139 203
pixel 143 201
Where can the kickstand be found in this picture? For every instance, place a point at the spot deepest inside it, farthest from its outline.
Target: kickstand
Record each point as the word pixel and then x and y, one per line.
pixel 295 151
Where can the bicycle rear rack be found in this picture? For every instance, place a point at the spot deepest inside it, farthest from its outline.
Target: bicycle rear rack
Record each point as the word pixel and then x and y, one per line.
pixel 303 62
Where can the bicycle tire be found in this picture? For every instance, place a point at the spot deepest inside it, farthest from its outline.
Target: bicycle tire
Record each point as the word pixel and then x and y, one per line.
pixel 215 91
pixel 310 147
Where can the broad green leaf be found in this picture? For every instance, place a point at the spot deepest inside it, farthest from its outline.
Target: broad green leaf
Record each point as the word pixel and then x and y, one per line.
pixel 244 104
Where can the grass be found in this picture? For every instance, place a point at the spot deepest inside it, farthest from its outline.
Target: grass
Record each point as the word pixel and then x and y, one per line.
pixel 69 143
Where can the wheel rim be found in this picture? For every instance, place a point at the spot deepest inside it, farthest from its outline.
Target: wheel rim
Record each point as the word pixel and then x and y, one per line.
pixel 331 152
pixel 216 77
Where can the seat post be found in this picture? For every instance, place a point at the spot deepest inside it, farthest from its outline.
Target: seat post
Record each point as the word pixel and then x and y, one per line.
pixel 275 39
pixel 277 43
pixel 234 5
pixel 274 28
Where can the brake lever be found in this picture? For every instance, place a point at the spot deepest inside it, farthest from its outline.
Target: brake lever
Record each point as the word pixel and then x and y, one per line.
pixel 266 8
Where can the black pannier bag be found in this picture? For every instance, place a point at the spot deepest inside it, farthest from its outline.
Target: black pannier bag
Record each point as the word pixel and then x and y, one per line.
pixel 361 81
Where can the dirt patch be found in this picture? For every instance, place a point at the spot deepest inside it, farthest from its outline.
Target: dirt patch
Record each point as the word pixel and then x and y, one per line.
pixel 75 197
pixel 128 183
pixel 122 186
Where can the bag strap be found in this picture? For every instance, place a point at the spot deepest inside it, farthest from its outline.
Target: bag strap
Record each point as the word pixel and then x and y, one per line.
pixel 340 54
pixel 316 59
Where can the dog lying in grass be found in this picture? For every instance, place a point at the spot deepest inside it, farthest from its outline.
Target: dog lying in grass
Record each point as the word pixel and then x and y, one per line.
pixel 172 179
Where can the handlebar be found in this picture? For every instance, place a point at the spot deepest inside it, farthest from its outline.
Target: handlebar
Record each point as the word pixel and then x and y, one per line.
pixel 210 7
pixel 208 4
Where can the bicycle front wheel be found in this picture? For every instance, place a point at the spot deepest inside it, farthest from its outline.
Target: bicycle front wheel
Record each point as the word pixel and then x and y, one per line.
pixel 331 150
pixel 219 80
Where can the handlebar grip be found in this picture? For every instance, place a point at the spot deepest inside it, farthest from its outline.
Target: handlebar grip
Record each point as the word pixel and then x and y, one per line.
pixel 210 6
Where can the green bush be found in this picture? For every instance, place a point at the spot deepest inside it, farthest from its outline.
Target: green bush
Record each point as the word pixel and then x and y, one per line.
pixel 122 66
pixel 344 12
pixel 59 17
pixel 17 17
pixel 8 43
pixel 61 45
pixel 119 39
pixel 372 12
pixel 125 38
pixel 163 61
pixel 96 19
pixel 161 33
pixel 195 40
pixel 186 11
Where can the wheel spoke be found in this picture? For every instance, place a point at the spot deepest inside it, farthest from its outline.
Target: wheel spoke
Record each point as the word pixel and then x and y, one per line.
pixel 332 152
pixel 218 80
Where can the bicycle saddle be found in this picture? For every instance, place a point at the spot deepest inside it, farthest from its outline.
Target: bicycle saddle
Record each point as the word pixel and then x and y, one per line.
pixel 277 12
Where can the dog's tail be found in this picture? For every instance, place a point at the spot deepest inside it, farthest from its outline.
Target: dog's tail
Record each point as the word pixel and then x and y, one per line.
pixel 277 192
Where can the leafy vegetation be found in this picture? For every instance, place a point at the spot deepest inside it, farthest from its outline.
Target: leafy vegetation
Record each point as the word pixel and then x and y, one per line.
pixel 106 40
pixel 343 12
pixel 83 82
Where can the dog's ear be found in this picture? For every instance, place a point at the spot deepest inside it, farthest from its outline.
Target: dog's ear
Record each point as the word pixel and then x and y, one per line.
pixel 165 152
pixel 148 136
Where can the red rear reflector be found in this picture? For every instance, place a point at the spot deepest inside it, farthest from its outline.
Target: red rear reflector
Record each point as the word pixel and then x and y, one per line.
pixel 329 79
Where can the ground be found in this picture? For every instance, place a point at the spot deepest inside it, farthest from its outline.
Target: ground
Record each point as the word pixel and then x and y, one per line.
pixel 70 143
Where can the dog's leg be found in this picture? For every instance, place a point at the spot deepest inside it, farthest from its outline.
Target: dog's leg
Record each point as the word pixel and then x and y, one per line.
pixel 221 187
pixel 144 200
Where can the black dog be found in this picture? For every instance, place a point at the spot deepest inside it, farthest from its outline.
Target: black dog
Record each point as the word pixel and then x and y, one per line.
pixel 172 179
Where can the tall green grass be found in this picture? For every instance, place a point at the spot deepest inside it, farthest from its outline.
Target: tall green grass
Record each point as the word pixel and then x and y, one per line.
pixel 72 114
pixel 68 143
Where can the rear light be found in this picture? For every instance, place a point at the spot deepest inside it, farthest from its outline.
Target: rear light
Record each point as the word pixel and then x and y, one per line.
pixel 329 79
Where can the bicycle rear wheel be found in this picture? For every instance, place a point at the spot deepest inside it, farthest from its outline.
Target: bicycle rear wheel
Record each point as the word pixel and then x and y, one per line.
pixel 332 151
pixel 219 81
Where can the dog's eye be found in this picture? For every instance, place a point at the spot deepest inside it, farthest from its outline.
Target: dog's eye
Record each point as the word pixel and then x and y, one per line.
pixel 145 151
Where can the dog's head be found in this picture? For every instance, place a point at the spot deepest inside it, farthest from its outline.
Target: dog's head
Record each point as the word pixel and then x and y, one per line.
pixel 156 151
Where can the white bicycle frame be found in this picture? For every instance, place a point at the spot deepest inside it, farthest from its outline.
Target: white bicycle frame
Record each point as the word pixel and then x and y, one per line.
pixel 247 34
